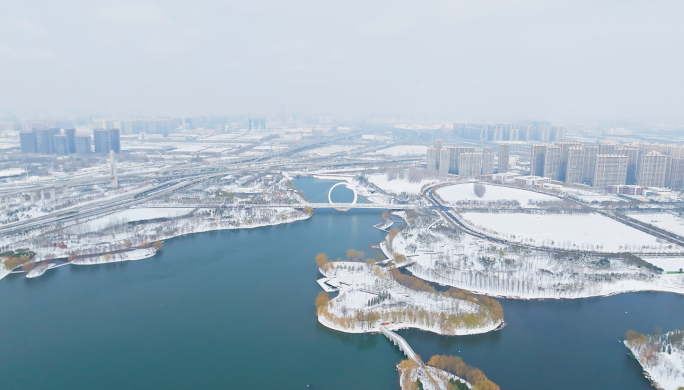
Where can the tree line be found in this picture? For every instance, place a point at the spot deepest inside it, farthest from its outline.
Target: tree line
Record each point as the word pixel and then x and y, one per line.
pixel 456 366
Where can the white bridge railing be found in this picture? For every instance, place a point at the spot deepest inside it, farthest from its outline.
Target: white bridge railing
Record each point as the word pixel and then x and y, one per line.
pixel 402 344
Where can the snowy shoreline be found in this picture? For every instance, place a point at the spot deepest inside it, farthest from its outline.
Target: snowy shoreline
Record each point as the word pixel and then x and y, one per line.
pixel 369 297
pixel 661 357
pixel 144 253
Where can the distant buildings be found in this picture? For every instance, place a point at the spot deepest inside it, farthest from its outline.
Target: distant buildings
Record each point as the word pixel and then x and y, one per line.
pixel 27 140
pixel 462 160
pixel 611 170
pixel 54 141
pixel 83 144
pixel 503 163
pixel 610 164
pixel 61 144
pixel 106 140
pixel 510 132
pixel 487 162
pixel 470 165
pixel 653 170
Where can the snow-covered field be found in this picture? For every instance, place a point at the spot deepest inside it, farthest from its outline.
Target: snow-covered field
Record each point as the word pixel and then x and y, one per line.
pixel 11 172
pixel 398 185
pixel 404 150
pixel 666 221
pixel 668 264
pixel 446 256
pixel 578 231
pixel 464 192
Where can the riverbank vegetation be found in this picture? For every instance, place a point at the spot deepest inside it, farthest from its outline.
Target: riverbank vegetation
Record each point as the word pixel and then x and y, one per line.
pixel 456 366
pixel 661 356
pixel 222 203
pixel 414 376
pixel 441 254
pixel 14 258
pixel 370 294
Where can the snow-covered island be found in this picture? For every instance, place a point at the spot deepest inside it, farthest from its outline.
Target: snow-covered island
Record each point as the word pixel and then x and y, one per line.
pixel 661 356
pixel 378 298
pixel 371 295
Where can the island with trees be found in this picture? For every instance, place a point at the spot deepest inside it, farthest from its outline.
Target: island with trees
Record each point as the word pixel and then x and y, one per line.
pixel 373 296
pixel 661 356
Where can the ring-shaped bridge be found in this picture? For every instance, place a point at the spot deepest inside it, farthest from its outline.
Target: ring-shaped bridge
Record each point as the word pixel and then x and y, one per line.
pixel 356 196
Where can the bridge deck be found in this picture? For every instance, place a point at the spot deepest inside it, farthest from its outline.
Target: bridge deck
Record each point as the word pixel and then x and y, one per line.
pixel 402 344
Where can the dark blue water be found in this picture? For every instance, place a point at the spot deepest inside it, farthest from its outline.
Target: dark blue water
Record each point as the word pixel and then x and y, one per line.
pixel 570 344
pixel 234 309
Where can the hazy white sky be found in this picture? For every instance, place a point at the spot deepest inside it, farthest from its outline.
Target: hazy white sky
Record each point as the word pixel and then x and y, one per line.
pixel 467 60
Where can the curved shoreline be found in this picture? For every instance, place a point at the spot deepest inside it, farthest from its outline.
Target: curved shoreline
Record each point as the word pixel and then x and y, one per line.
pixel 150 252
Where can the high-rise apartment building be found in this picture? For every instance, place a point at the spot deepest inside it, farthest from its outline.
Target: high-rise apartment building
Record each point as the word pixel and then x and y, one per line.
pixel 565 146
pixel 439 145
pixel 115 140
pixel 632 160
pixel 61 144
pixel 676 174
pixel 102 141
pixel 503 162
pixel 83 144
pixel 650 165
pixel 487 162
pixel 432 160
pixel 444 162
pixel 552 162
pixel 71 139
pixel 470 165
pixel 575 165
pixel 652 170
pixel 44 140
pixel 454 158
pixel 608 148
pixel 611 169
pixel 590 153
pixel 28 142
pixel 537 157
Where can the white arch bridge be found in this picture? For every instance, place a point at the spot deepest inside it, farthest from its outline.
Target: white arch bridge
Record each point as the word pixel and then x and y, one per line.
pixel 319 201
pixel 337 206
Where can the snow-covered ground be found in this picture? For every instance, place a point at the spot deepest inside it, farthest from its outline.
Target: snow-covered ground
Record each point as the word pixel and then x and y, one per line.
pixel 571 231
pixel 11 172
pixel 398 186
pixel 667 263
pixel 446 256
pixel 328 150
pixel 130 215
pixel 464 192
pixel 108 238
pixel 369 292
pixel 404 150
pixel 665 221
pixel 661 357
pixel 136 254
pixel 431 378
